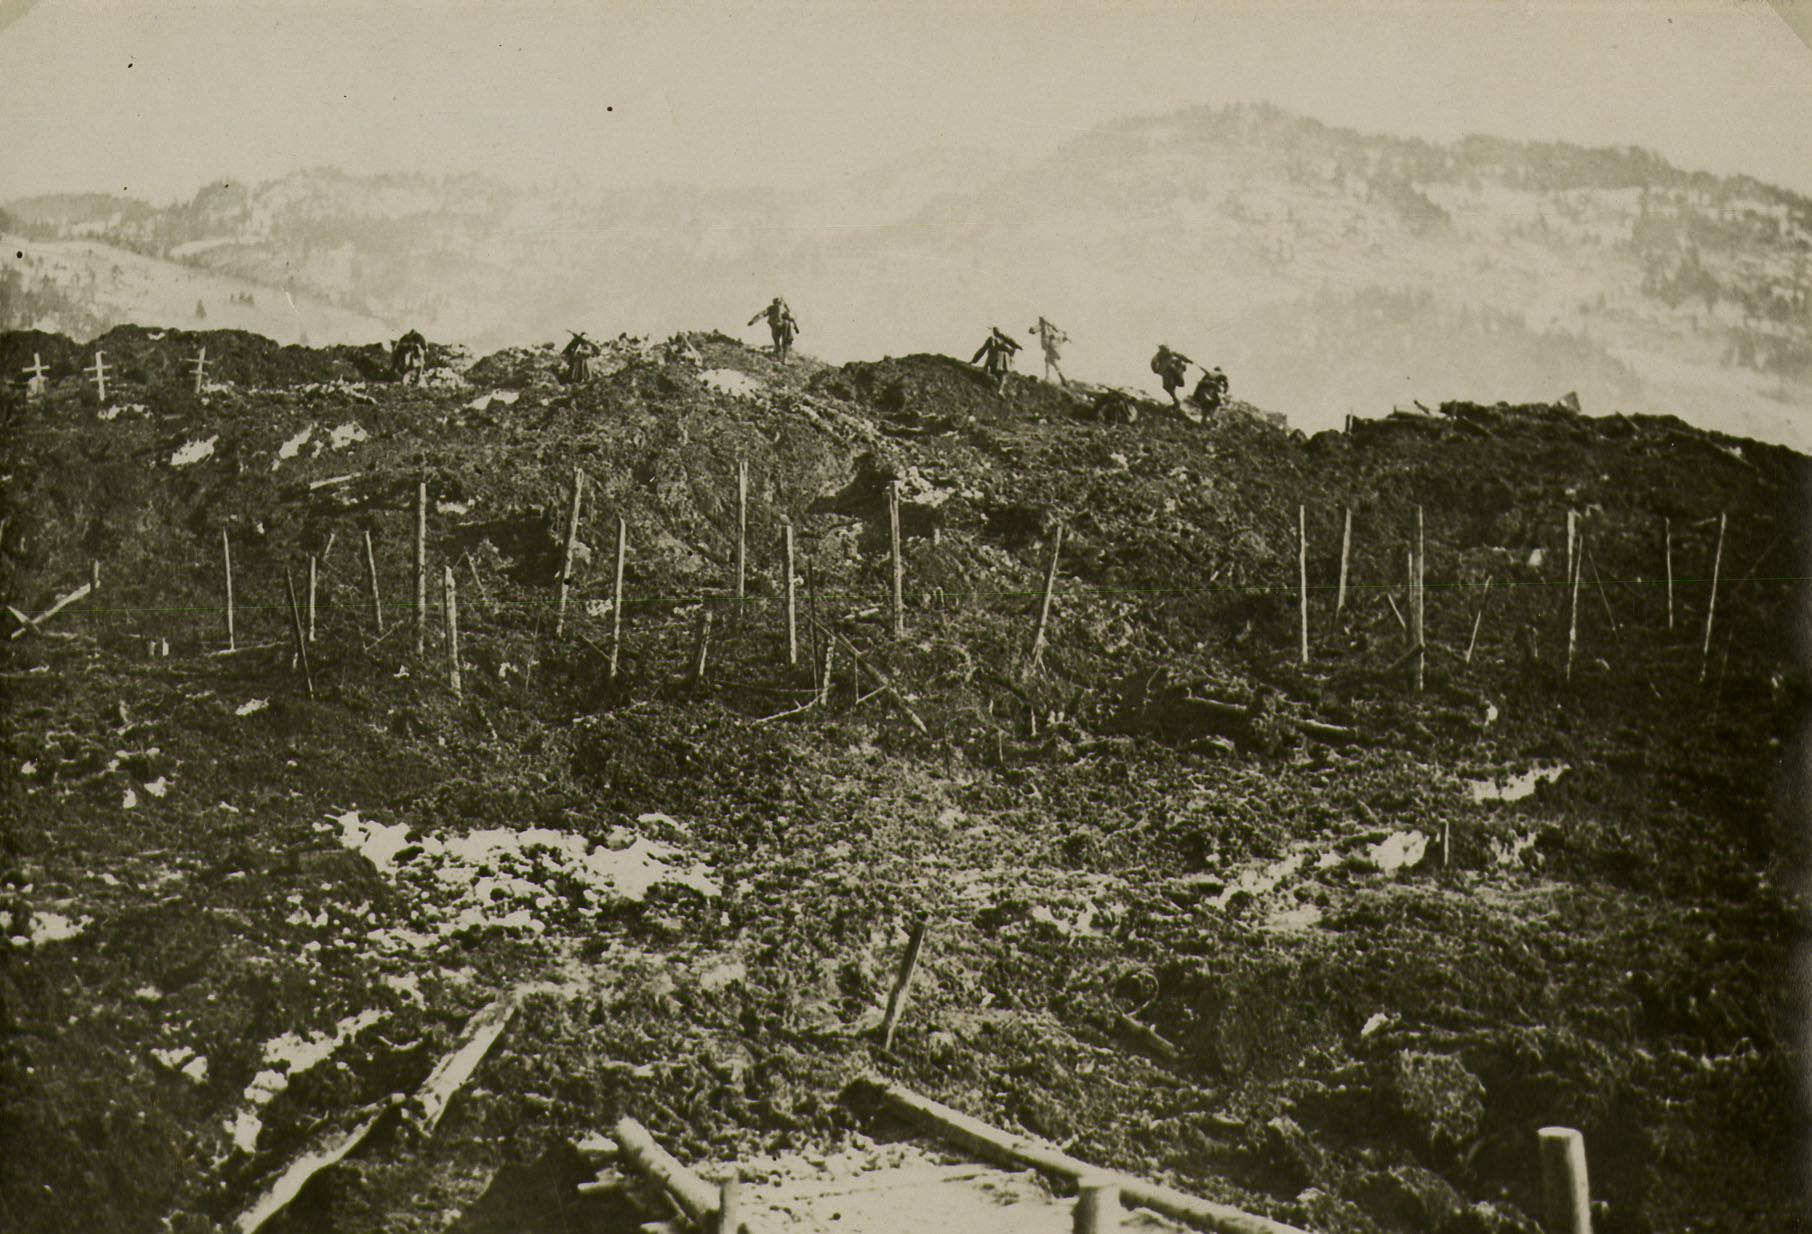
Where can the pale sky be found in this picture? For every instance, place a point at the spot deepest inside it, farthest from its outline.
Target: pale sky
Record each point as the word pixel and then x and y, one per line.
pixel 156 98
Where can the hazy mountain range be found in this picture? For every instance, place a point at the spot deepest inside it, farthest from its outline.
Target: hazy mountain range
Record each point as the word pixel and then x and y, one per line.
pixel 1326 270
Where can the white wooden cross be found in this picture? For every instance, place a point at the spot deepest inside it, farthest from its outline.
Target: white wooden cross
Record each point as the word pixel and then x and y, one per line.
pixel 100 375
pixel 200 363
pixel 36 385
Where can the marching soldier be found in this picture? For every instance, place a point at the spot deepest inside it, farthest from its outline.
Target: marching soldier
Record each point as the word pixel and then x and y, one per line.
pixel 1051 339
pixel 996 356
pixel 1173 368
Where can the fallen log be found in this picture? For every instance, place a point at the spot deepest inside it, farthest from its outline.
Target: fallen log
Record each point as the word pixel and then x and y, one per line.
pixel 328 1149
pixel 991 1143
pixel 33 624
pixel 431 1099
pixel 886 684
pixel 697 1198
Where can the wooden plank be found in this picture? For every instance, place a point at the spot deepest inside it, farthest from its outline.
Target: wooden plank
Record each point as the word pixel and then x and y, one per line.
pixel 328 1149
pixel 34 624
pixel 482 1030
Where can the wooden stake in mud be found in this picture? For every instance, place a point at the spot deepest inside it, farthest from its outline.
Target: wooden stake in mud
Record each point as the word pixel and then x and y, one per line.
pixel 1484 598
pixel 1421 605
pixel 1573 607
pixel 701 645
pixel 1711 605
pixel 313 570
pixel 1044 600
pixel 295 622
pixel 572 542
pixel 616 598
pixel 742 536
pixel 1572 537
pixel 792 599
pixel 1667 526
pixel 421 566
pixel 38 382
pixel 1097 1208
pixel 896 1002
pixel 899 565
pixel 1346 552
pixel 824 676
pixel 200 365
pixel 99 369
pixel 1566 1190
pixel 1302 576
pixel 377 601
pixel 729 1205
pixel 226 556
pixel 451 586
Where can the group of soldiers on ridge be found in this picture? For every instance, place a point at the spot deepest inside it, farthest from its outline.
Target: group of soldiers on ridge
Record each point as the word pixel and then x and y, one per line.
pixel 995 357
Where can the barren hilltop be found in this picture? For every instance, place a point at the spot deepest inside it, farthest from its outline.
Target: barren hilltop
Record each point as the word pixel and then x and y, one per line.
pixel 1287 932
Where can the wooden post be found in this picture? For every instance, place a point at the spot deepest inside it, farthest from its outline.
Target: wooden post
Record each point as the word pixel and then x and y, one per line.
pixel 1421 605
pixel 742 536
pixel 1711 605
pixel 295 623
pixel 1668 530
pixel 1044 601
pixel 1572 535
pixel 226 555
pixel 1573 606
pixel 99 369
pixel 616 598
pixel 421 566
pixel 451 585
pixel 896 1002
pixel 1479 617
pixel 377 601
pixel 1097 1208
pixel 729 1205
pixel 1566 1190
pixel 313 569
pixel 899 565
pixel 792 599
pixel 200 364
pixel 1346 551
pixel 37 383
pixel 701 645
pixel 824 678
pixel 572 541
pixel 1302 576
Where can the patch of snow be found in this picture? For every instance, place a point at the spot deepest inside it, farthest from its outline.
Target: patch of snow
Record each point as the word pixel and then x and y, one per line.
pixel 1377 1020
pixel 730 381
pixel 285 1058
pixel 197 1069
pixel 453 507
pixel 130 800
pixel 159 786
pixel 1513 851
pixel 251 706
pixel 1257 881
pixel 292 447
pixel 1515 788
pixel 345 435
pixel 195 451
pixel 52 928
pixel 496 398
pixel 148 994
pixel 1398 851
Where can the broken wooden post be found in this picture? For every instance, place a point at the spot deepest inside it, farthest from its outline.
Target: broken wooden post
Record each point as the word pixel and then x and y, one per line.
pixel 33 624
pixel 1302 577
pixel 824 676
pixel 200 365
pixel 421 566
pixel 1484 597
pixel 1711 605
pixel 902 986
pixel 37 383
pixel 701 645
pixel 742 537
pixel 1566 1191
pixel 451 587
pixel 1045 597
pixel 313 569
pixel 572 541
pixel 729 1205
pixel 1603 595
pixel 295 622
pixel 1667 526
pixel 327 1150
pixel 1097 1205
pixel 1573 607
pixel 792 599
pixel 899 566
pixel 695 1197
pixel 616 598
pixel 1572 536
pixel 451 1073
pixel 1421 605
pixel 1346 551
pixel 226 554
pixel 377 601
pixel 99 369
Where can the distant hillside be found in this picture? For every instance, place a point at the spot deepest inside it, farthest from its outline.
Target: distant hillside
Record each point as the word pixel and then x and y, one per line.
pixel 1327 270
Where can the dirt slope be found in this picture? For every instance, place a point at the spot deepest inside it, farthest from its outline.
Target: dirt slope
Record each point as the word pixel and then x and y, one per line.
pixel 1285 935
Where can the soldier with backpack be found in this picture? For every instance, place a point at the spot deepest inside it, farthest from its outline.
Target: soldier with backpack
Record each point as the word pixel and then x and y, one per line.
pixel 781 325
pixel 1051 339
pixel 409 358
pixel 1173 368
pixel 1210 391
pixel 996 356
pixel 577 356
